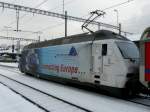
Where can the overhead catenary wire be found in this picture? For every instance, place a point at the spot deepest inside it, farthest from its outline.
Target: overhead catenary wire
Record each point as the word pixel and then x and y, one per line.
pixel 117 5
pixel 15 38
pixel 38 11
pixel 53 26
pixel 65 3
pixel 75 18
pixel 113 6
pixel 108 8
pixel 19 18
pixel 44 1
pixel 68 2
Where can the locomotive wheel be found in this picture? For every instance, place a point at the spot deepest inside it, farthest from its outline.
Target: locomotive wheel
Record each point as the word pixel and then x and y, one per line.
pixel 129 93
pixel 21 70
pixel 132 87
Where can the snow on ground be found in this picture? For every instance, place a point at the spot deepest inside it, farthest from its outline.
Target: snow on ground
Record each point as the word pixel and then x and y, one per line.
pixel 49 103
pixel 11 102
pixel 90 100
pixel 9 64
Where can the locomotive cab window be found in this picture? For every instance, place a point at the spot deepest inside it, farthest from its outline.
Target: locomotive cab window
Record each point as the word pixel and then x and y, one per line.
pixel 104 49
pixel 128 50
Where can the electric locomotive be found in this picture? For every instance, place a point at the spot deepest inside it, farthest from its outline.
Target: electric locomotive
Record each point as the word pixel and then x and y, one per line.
pixel 103 59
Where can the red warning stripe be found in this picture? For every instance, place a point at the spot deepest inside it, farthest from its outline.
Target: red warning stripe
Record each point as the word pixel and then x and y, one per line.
pixel 147 61
pixel 147 77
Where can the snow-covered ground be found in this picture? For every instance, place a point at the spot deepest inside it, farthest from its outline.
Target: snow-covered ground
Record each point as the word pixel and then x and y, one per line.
pixel 89 100
pixel 9 64
pixel 45 101
pixel 11 102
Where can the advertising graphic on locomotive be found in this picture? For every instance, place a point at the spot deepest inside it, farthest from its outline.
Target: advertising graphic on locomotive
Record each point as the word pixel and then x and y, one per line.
pixel 109 61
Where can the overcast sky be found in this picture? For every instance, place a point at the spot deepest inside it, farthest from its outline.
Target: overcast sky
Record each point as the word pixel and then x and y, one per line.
pixel 134 17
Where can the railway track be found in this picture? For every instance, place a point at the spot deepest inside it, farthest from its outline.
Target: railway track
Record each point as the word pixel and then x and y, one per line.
pixel 11 69
pixel 26 98
pixel 144 96
pixel 25 89
pixel 141 100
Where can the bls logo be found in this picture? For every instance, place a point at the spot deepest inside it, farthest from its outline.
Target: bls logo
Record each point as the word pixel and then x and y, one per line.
pixel 73 52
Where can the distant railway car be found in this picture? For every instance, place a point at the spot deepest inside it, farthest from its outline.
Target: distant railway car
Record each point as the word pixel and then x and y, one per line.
pixel 103 59
pixel 145 58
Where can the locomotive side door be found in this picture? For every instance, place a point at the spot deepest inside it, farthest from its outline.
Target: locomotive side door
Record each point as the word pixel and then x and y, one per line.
pixel 97 62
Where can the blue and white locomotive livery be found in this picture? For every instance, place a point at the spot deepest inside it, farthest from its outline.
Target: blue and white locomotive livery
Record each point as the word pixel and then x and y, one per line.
pixel 103 59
